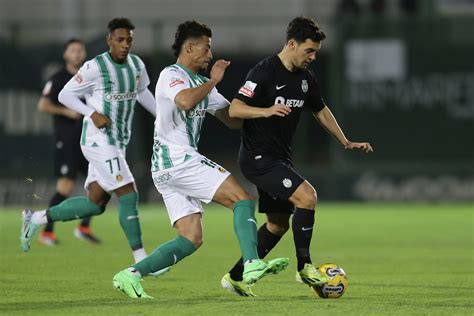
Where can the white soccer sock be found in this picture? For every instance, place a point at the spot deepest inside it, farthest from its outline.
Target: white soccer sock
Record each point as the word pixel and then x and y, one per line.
pixel 39 218
pixel 139 254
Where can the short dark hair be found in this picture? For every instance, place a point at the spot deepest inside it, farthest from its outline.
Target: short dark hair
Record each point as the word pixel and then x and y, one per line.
pixel 120 23
pixel 72 40
pixel 189 29
pixel 302 28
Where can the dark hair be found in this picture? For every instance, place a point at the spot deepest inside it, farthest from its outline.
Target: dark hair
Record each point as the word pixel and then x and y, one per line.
pixel 302 28
pixel 72 41
pixel 189 29
pixel 120 23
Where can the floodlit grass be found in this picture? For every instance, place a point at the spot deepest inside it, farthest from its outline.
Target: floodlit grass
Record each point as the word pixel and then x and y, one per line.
pixel 414 259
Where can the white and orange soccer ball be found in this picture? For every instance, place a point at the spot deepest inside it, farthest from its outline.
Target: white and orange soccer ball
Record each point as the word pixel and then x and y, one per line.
pixel 337 284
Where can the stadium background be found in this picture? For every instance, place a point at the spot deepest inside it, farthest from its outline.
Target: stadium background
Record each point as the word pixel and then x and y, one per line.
pixel 400 221
pixel 396 73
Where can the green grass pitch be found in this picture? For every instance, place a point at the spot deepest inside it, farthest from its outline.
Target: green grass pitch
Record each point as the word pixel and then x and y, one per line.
pixel 401 259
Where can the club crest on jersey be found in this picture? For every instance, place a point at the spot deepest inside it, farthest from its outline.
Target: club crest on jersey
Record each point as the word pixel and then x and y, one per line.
pixel 304 85
pixel 287 183
pixel 248 89
pixel 137 78
pixel 119 178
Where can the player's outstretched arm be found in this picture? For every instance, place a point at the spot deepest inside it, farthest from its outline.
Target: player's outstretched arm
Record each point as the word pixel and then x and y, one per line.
pixel 328 121
pixel 239 109
pixel 188 98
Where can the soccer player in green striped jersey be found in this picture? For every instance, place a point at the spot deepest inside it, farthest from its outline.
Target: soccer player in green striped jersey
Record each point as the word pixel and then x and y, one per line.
pixel 182 175
pixel 110 83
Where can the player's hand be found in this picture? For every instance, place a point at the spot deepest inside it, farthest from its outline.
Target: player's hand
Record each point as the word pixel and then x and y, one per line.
pixel 362 146
pixel 100 120
pixel 277 110
pixel 218 70
pixel 71 114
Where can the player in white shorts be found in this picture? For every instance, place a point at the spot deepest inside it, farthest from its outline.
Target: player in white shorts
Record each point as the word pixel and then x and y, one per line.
pixel 184 177
pixel 110 83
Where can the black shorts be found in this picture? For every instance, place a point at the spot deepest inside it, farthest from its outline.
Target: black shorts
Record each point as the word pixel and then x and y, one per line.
pixel 68 157
pixel 275 178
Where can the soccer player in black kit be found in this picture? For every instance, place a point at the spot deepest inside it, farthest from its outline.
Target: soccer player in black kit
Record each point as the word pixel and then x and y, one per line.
pixel 271 101
pixel 68 158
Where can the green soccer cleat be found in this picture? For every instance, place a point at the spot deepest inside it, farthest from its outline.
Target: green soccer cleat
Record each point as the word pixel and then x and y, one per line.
pixel 28 230
pixel 256 269
pixel 310 275
pixel 275 266
pixel 236 287
pixel 129 283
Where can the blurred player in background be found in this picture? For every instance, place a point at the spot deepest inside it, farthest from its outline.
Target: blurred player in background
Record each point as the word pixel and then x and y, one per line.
pixel 182 175
pixel 271 100
pixel 111 83
pixel 68 158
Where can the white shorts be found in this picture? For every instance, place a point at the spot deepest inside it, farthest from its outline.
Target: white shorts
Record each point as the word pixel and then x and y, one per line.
pixel 184 186
pixel 107 166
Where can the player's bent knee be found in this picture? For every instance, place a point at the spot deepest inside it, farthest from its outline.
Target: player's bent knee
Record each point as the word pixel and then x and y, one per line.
pixel 311 200
pixel 308 199
pixel 94 208
pixel 196 240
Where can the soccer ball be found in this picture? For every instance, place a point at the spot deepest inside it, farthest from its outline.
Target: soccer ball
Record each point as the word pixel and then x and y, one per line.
pixel 336 286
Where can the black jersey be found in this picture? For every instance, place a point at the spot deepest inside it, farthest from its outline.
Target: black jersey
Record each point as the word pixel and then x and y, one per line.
pixel 51 91
pixel 269 83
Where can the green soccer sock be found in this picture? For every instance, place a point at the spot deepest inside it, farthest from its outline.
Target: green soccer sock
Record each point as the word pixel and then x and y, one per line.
pixel 73 208
pixel 128 217
pixel 166 255
pixel 245 227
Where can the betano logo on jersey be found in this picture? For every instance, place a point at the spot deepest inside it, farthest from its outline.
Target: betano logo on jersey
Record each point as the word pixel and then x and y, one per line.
pixel 292 103
pixel 120 96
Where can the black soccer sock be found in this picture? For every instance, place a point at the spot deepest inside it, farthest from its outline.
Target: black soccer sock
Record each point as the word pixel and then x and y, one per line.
pixel 86 222
pixel 55 200
pixel 266 240
pixel 302 225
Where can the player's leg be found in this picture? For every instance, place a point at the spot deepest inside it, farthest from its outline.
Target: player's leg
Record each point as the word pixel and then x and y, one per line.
pixel 269 234
pixel 83 231
pixel 129 219
pixel 185 216
pixel 304 198
pixel 64 188
pixel 188 240
pixel 280 180
pixel 232 195
pixel 70 209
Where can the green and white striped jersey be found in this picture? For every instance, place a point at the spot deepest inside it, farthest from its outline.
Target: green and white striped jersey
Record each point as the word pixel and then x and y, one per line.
pixel 177 132
pixel 111 89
